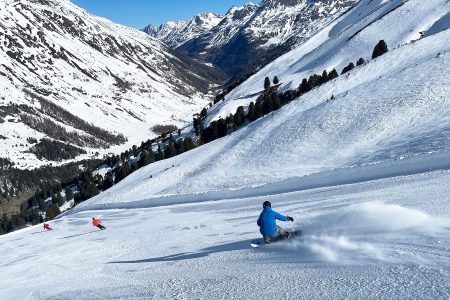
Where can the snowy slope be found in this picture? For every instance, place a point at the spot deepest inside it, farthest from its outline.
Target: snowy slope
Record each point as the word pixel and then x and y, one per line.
pixel 176 33
pixel 348 38
pixel 365 176
pixel 114 77
pixel 385 239
pixel 394 108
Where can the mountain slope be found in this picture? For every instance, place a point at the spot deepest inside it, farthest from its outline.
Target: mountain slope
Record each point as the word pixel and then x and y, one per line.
pixel 113 77
pixel 253 35
pixel 177 33
pixel 350 37
pixel 394 108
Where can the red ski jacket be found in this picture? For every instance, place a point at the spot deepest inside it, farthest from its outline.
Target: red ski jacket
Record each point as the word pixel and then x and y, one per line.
pixel 96 222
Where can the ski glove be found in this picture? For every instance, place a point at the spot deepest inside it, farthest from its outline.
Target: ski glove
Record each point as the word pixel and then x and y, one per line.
pixel 290 219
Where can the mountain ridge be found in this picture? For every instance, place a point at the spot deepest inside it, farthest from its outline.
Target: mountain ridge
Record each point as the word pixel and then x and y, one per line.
pixel 176 33
pixel 114 77
pixel 252 35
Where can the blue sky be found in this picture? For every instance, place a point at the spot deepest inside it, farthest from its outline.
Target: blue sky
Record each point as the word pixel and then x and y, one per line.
pixel 139 13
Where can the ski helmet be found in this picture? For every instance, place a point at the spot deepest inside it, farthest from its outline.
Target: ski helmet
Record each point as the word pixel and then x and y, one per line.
pixel 267 203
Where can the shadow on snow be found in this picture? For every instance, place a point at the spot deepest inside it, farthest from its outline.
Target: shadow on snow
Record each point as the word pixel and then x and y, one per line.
pixel 75 235
pixel 241 245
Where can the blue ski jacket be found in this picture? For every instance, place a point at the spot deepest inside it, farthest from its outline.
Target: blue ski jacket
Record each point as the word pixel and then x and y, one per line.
pixel 267 221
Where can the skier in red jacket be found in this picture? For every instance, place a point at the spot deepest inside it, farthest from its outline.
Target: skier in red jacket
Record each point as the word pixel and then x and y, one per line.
pixel 97 223
pixel 47 227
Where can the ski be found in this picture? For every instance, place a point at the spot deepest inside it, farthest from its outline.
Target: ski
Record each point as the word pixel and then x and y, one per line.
pixel 260 242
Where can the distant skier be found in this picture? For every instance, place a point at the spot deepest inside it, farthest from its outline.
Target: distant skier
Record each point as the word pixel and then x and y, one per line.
pixel 47 227
pixel 267 223
pixel 97 223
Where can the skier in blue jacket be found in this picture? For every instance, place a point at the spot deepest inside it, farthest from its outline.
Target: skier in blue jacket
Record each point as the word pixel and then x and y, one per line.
pixel 267 223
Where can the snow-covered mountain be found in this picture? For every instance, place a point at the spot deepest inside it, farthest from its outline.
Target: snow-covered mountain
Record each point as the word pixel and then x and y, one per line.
pixel 232 22
pixel 71 77
pixel 364 174
pixel 176 33
pixel 253 35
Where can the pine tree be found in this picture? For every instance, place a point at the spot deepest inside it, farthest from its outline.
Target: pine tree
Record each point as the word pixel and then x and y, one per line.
pixel 251 112
pixel 259 108
pixel 288 96
pixel 145 158
pixel 266 83
pixel 52 211
pixel 59 199
pixel 304 86
pixel 159 154
pixel 17 222
pixel 198 126
pixel 314 80
pixel 188 144
pixel 123 172
pixel 69 193
pixel 108 182
pixel 380 49
pixel 348 68
pixel 276 80
pixel 92 191
pixel 221 128
pixel 210 133
pixel 35 216
pixel 54 199
pixel 179 147
pixel 203 113
pixel 333 74
pixel 239 117
pixel 267 105
pixel 324 77
pixel 276 102
pixel 169 150
pixel 360 61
